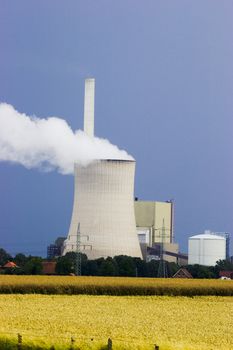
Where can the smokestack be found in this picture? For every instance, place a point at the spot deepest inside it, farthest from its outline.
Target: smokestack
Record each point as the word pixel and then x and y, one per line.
pixel 89 106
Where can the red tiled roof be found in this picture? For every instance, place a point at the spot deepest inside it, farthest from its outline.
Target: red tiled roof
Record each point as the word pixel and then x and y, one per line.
pixel 10 264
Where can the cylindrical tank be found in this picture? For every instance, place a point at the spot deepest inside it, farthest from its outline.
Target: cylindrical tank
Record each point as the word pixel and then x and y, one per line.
pixel 206 249
pixel 104 208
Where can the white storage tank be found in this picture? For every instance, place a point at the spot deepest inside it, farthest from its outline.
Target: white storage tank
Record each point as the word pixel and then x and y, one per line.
pixel 206 249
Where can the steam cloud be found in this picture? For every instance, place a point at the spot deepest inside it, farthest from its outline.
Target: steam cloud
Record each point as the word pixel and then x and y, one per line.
pixel 49 144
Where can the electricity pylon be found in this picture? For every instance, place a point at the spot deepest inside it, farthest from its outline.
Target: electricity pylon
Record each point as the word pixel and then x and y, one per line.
pixel 78 267
pixel 162 270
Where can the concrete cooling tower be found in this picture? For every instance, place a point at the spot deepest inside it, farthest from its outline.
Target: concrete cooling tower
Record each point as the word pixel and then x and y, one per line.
pixel 104 209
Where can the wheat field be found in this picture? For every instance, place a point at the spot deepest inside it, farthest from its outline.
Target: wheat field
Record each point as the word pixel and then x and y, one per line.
pixel 132 322
pixel 113 285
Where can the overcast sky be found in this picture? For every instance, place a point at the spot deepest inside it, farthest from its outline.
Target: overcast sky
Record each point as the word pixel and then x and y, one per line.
pixel 164 88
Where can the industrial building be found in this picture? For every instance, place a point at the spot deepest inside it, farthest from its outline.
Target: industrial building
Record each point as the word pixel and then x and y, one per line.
pixel 150 218
pixel 154 222
pixel 166 251
pixel 205 249
pixel 54 250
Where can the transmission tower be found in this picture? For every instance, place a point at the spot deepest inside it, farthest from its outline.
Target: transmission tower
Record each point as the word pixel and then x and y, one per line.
pixel 162 270
pixel 77 246
pixel 78 266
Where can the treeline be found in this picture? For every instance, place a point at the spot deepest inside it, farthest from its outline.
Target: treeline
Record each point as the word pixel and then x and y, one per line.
pixel 118 266
pixel 127 266
pixel 121 265
pixel 26 265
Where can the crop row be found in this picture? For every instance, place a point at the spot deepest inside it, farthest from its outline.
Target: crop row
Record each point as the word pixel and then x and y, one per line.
pixel 113 286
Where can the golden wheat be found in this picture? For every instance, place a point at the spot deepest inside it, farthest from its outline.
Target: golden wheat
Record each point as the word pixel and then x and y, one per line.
pixel 113 285
pixel 133 322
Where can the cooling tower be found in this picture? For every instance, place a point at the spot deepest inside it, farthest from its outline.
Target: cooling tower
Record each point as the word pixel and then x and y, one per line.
pixel 104 208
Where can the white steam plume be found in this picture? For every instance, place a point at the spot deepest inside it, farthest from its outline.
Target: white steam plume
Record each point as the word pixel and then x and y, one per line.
pixel 49 143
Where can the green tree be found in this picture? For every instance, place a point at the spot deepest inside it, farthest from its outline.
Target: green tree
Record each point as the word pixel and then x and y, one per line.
pixel 152 268
pixel 20 259
pixel 4 257
pixel 65 265
pixel 92 268
pixel 221 265
pixel 126 265
pixel 108 267
pixel 224 265
pixel 33 266
pixel 140 267
pixel 200 271
pixel 172 268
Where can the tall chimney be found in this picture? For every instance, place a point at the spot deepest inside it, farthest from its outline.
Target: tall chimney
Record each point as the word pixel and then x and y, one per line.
pixel 89 107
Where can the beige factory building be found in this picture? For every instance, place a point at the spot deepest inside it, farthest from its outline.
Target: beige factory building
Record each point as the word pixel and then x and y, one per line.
pixel 154 222
pixel 150 218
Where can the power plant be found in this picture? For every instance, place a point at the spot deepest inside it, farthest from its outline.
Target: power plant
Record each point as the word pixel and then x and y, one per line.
pixel 107 221
pixel 103 209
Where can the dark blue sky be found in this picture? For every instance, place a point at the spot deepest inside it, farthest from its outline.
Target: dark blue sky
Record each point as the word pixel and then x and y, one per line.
pixel 164 84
